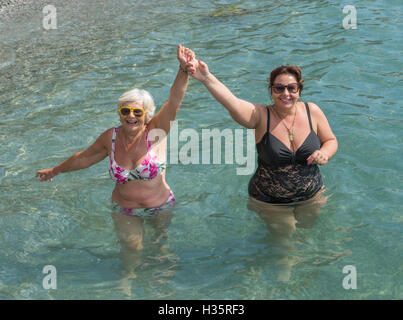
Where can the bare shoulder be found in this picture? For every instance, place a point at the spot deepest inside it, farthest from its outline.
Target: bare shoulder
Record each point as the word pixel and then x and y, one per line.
pixel 261 126
pixel 105 137
pixel 317 115
pixel 261 110
pixel 319 120
pixel 315 110
pixel 107 133
pixel 260 107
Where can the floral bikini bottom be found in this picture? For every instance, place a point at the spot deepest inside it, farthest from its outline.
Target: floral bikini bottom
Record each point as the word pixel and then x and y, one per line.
pixel 144 212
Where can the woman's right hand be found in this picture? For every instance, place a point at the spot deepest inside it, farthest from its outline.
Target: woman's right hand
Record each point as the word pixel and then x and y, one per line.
pixel 46 174
pixel 199 71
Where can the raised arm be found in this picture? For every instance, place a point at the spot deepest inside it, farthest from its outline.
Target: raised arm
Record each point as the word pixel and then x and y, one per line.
pixel 80 160
pixel 170 108
pixel 246 113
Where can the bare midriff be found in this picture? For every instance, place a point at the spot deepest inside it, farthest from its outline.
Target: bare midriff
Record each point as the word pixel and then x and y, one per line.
pixel 142 194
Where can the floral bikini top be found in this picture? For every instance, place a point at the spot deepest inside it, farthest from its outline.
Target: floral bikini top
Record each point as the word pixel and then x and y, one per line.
pixel 148 169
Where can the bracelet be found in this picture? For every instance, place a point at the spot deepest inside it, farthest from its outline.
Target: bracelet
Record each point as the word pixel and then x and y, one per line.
pixel 184 71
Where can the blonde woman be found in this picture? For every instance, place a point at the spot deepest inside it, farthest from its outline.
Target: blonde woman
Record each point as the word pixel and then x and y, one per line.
pixel 137 160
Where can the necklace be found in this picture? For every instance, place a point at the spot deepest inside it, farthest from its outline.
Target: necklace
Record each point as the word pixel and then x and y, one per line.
pixel 290 133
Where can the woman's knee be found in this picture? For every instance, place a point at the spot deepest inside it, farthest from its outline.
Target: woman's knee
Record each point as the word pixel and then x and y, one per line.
pixel 133 242
pixel 283 227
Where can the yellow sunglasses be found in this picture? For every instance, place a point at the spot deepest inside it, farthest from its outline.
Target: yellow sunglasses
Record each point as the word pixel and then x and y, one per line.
pixel 125 111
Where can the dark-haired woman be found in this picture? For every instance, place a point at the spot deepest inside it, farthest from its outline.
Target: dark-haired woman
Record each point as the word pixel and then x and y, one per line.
pixel 292 139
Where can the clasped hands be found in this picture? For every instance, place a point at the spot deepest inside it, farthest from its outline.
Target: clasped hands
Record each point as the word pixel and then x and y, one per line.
pixel 188 63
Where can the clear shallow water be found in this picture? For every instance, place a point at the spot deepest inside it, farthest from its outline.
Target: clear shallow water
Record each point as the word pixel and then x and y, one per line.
pixel 58 91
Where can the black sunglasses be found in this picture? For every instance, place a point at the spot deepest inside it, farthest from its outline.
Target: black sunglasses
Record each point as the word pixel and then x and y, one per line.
pixel 279 88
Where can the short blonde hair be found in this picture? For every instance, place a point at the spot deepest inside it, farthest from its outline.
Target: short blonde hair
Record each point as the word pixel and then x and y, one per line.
pixel 139 96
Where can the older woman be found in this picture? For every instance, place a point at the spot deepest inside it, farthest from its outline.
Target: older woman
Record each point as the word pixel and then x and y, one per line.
pixel 137 158
pixel 292 139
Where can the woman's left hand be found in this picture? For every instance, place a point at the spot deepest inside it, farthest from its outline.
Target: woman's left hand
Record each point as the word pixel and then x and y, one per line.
pixel 318 157
pixel 186 58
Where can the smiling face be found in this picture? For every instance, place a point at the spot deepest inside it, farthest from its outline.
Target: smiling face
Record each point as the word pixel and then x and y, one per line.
pixel 285 99
pixel 134 120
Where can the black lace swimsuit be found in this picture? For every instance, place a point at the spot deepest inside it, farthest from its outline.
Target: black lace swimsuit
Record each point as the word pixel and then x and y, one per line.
pixel 283 176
